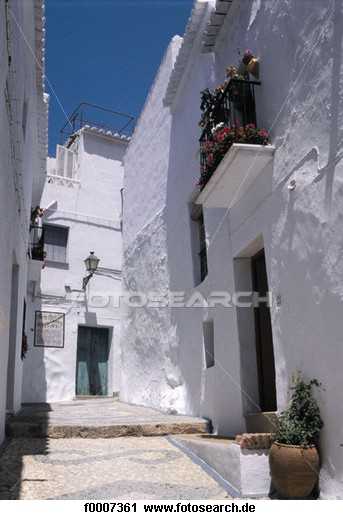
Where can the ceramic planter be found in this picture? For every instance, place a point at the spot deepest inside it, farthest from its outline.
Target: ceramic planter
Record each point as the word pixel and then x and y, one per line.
pixel 294 469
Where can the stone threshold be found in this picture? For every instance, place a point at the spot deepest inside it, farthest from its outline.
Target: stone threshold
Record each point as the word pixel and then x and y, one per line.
pixel 17 429
pixel 99 418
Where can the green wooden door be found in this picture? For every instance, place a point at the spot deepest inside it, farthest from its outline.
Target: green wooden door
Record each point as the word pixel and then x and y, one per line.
pixel 92 361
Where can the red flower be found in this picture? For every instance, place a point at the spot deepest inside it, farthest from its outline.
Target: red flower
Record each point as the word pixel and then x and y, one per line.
pixel 222 134
pixel 263 133
pixel 210 159
pixel 214 150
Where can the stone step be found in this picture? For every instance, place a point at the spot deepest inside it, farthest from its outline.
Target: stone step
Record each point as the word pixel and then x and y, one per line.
pixel 255 441
pixel 103 418
pixel 57 431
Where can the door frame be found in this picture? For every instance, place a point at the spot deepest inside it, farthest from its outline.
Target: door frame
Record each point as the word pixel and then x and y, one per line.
pixel 258 333
pixel 109 346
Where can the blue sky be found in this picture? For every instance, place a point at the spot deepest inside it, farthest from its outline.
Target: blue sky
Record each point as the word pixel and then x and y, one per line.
pixel 106 52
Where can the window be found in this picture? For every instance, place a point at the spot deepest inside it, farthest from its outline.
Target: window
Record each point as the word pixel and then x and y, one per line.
pixel 208 332
pixel 24 117
pixel 202 248
pixel 65 162
pixel 55 243
pixel 198 244
pixel 24 338
pixel 8 101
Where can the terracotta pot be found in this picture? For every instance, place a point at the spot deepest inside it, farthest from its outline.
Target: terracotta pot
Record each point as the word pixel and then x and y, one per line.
pixel 294 469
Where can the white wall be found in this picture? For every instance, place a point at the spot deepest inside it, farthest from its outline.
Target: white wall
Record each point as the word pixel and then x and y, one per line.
pixel 300 46
pixel 150 371
pixel 21 165
pixel 90 206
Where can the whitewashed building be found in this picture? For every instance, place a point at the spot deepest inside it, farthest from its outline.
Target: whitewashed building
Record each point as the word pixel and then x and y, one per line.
pixel 74 333
pixel 272 219
pixel 23 150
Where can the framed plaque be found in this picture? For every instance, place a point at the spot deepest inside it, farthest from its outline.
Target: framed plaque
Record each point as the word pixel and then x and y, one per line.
pixel 49 329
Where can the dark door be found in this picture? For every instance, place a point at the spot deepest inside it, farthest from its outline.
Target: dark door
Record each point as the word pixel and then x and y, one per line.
pixel 264 338
pixel 92 361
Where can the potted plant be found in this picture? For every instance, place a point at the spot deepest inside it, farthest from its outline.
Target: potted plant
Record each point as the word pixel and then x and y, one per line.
pixel 294 458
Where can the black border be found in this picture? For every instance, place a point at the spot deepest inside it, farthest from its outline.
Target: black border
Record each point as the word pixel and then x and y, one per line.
pixel 48 346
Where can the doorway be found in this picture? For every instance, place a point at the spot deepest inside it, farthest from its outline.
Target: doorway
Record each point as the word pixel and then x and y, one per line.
pixel 264 337
pixel 13 340
pixel 92 361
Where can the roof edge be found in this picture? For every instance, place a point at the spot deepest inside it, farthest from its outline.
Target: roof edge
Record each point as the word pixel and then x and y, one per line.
pixel 194 23
pixel 215 24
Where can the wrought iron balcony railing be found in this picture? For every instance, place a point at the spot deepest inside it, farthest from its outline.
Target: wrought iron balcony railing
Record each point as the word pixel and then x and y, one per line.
pixel 231 117
pixel 36 244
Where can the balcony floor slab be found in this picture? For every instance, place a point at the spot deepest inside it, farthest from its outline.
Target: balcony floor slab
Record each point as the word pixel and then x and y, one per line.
pixel 235 174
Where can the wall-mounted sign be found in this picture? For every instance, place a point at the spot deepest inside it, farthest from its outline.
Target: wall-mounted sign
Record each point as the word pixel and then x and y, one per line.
pixel 49 329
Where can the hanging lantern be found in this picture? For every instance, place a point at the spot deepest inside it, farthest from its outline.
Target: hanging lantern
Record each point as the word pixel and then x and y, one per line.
pixel 92 262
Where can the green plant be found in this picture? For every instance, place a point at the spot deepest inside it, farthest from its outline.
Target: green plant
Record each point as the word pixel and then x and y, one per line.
pixel 300 423
pixel 214 149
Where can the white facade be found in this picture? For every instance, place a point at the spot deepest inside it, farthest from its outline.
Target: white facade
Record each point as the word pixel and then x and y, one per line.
pixel 299 102
pixel 84 198
pixel 23 129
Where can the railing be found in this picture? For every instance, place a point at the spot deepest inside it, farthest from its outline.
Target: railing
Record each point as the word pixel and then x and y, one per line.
pixel 36 244
pixel 231 118
pixel 99 117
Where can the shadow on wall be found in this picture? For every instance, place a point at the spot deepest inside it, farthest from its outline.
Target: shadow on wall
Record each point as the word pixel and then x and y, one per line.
pixel 317 268
pixel 34 368
pixel 26 431
pixel 327 172
pixel 97 145
pixel 26 437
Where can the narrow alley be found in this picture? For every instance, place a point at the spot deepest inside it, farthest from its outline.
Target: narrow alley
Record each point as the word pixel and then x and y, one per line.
pixel 65 454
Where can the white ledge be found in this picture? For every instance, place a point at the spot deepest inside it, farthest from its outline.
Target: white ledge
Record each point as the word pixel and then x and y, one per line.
pixel 61 180
pixel 236 172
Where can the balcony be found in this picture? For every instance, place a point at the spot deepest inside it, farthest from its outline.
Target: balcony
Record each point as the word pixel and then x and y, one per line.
pixel 36 253
pixel 233 150
pixel 36 245
pixel 236 172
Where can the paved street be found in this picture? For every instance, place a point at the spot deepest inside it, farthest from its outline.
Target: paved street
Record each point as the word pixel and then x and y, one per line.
pixel 121 468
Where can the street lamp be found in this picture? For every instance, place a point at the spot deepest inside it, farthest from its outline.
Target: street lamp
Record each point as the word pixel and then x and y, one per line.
pixel 91 263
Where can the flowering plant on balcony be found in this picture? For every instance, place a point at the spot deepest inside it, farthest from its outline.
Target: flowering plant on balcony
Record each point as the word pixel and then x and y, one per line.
pixel 209 100
pixel 214 148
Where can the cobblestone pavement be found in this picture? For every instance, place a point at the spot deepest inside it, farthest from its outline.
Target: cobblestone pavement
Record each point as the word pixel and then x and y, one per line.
pixel 122 468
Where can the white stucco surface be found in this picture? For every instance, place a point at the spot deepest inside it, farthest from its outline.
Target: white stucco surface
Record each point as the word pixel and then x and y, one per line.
pixel 246 471
pixel 23 126
pixel 150 369
pixel 299 102
pixel 90 206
